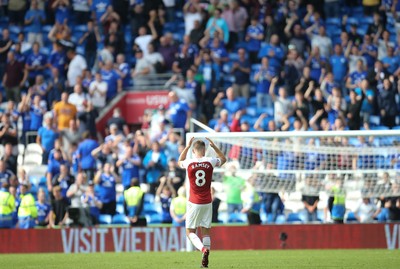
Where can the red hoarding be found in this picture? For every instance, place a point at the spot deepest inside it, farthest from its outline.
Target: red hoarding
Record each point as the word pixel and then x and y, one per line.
pixel 87 240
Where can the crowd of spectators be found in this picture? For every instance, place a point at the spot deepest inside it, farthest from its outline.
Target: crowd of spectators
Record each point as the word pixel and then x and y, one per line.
pixel 238 65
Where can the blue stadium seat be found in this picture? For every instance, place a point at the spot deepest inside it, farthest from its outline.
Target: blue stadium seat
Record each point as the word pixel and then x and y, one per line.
pixel 337 22
pixel 120 219
pixel 212 123
pixel 237 218
pixel 380 127
pixel 105 219
pixel 154 218
pixel 149 198
pixel 120 199
pixel 351 217
pixel 120 209
pixel 294 218
pixel 153 208
pixel 281 219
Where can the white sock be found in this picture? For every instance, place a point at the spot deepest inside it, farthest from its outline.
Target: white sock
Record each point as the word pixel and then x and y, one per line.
pixel 207 242
pixel 196 241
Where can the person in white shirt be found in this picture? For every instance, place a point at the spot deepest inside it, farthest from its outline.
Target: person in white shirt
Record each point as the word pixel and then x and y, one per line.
pixel 366 210
pixel 76 67
pixel 282 105
pixel 320 40
pixel 144 39
pixel 142 69
pixel 154 57
pixel 192 13
pixel 78 98
pixel 98 90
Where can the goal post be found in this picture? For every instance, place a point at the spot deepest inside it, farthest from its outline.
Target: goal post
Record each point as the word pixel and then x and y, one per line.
pixel 312 160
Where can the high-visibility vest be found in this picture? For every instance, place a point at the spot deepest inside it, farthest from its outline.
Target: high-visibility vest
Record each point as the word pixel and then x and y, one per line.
pixel 339 196
pixel 179 204
pixel 133 196
pixel 27 207
pixel 7 203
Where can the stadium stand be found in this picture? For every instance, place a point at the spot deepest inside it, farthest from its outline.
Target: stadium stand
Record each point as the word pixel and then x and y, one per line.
pixel 86 57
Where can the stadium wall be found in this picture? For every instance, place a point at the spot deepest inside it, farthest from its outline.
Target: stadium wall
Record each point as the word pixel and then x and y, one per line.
pixel 86 240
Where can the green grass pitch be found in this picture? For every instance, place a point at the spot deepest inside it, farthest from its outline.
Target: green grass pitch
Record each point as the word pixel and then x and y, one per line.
pixel 346 259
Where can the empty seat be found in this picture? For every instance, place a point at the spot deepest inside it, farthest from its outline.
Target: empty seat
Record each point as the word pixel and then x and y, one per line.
pixel 33 147
pixel 237 218
pixel 33 159
pixel 120 219
pixel 294 218
pixel 153 208
pixel 105 219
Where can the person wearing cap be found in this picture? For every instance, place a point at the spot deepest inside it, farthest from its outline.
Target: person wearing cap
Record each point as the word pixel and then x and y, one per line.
pixel 7 207
pixel 27 211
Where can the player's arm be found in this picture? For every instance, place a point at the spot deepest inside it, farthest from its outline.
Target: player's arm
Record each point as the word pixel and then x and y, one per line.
pixel 220 154
pixel 182 157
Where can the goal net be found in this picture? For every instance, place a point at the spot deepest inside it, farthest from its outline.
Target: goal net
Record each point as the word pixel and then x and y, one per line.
pixel 365 162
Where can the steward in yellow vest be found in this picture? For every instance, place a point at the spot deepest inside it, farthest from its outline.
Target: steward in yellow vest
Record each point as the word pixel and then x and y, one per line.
pixel 178 208
pixel 134 203
pixel 7 207
pixel 27 212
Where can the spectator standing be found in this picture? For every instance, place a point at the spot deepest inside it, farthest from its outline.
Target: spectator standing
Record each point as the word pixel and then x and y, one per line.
pixel 273 51
pixel 86 161
pixel 155 162
pixel 320 40
pixel 43 209
pixel 47 136
pixel 106 179
pixel 263 77
pixel 78 98
pixel 165 193
pixel 254 37
pixel 36 63
pixel 144 39
pixel 10 158
pixel 178 111
pixel 310 200
pixel 134 200
pixel 168 50
pixel 252 203
pixel 34 20
pixel 8 131
pixel 232 104
pixel 282 106
pixel 7 206
pixel 233 185
pixel 123 70
pixel 87 119
pixel 99 8
pixel 14 78
pixel 76 67
pixel 98 91
pixel 81 11
pixel 63 179
pixel 241 73
pixel 90 38
pixel 353 110
pixel 27 211
pixel 56 87
pixel 339 65
pixel 143 68
pixel 16 10
pixel 367 107
pixel 6 175
pixel 236 18
pixel 129 166
pixel 192 13
pixel 64 112
pixel 178 208
pixel 387 104
pixel 59 206
pixel 92 204
pixel 5 46
pixel 217 22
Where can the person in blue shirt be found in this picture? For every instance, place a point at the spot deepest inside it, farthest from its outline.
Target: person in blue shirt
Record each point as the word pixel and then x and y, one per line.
pixel 6 175
pixel 53 168
pixel 34 20
pixel 165 193
pixel 218 52
pixel 178 111
pixel 43 209
pixel 263 77
pixel 113 80
pixel 241 73
pixel 47 136
pixel 316 62
pixel 254 38
pixel 98 8
pixel 273 51
pixel 106 179
pixel 123 70
pixel 339 65
pixel 86 161
pixel 155 163
pixel 216 23
pixel 25 114
pixel 36 63
pixel 231 103
pixel 369 51
pixel 355 78
pixel 129 165
pixel 367 107
pixel 61 8
pixel 391 61
pixel 37 112
pixel 58 58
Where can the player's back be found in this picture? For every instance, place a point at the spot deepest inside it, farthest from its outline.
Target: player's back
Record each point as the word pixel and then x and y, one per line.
pixel 199 172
